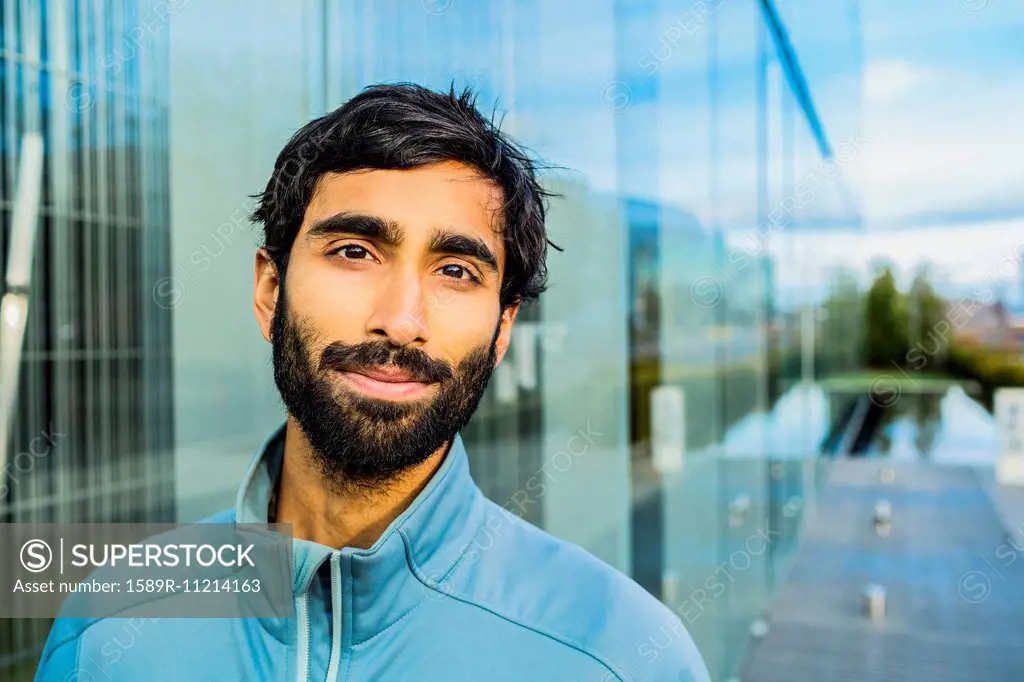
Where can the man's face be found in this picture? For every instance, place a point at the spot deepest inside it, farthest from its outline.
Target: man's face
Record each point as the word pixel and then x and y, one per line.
pixel 387 325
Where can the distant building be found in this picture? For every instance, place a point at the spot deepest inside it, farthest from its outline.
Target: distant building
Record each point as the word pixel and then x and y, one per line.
pixel 1015 330
pixel 995 325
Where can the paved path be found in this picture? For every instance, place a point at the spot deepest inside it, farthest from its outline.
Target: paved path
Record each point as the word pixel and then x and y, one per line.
pixel 954 582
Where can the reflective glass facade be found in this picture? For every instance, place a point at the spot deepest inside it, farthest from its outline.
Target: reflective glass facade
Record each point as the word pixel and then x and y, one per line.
pixel 689 142
pixel 95 366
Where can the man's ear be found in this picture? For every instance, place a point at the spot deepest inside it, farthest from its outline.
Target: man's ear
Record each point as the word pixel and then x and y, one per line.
pixel 265 291
pixel 508 316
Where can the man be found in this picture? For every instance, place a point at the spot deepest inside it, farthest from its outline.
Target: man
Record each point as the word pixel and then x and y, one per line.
pixel 403 232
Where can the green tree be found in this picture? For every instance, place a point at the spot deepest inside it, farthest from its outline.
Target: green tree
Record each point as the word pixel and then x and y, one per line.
pixel 928 330
pixel 885 323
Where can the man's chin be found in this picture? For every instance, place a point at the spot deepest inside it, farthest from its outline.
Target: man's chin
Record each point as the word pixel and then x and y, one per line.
pixel 370 449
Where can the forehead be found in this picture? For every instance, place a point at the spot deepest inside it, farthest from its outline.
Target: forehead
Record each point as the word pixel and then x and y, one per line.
pixel 447 194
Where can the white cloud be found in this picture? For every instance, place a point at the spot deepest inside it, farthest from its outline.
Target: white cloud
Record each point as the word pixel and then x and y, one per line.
pixel 952 148
pixel 886 80
pixel 982 253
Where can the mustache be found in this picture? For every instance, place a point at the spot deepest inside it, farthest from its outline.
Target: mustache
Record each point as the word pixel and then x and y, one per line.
pixel 344 357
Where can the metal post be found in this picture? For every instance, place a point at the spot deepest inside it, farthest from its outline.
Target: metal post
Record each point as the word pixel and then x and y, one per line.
pixel 14 305
pixel 874 601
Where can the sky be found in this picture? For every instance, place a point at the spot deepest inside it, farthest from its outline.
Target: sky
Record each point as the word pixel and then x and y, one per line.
pixel 942 179
pixel 943 94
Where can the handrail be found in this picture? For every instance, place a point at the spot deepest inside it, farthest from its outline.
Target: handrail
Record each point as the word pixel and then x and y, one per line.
pixel 802 92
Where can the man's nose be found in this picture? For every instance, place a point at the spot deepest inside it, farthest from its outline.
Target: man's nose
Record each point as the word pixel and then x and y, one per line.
pixel 401 310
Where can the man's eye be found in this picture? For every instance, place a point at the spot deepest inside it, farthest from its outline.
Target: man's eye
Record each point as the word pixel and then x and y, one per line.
pixel 352 252
pixel 458 272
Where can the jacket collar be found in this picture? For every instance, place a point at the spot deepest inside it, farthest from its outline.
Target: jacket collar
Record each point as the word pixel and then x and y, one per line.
pixel 416 550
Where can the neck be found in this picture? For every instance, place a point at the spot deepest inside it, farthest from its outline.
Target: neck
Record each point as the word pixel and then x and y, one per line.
pixel 342 515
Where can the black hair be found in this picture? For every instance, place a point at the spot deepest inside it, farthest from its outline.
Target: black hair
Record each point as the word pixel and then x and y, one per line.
pixel 401 126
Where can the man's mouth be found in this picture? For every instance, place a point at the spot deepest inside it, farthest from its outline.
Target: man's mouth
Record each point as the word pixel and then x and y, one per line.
pixel 389 383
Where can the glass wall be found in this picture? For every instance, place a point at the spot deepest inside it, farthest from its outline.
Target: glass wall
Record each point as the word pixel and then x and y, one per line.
pixel 689 144
pixel 95 365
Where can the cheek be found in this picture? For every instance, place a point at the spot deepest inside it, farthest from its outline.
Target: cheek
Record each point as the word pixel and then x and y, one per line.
pixel 330 301
pixel 463 323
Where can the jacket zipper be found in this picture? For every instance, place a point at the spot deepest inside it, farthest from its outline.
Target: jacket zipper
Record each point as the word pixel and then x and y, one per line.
pixel 302 616
pixel 336 618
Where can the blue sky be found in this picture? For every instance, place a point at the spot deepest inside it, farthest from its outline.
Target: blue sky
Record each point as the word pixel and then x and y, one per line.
pixel 944 95
pixel 943 102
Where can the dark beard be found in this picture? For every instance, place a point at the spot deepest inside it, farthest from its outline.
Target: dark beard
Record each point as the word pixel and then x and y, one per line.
pixel 361 441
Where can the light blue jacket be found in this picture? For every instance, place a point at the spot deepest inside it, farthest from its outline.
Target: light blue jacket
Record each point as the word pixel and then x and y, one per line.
pixel 455 589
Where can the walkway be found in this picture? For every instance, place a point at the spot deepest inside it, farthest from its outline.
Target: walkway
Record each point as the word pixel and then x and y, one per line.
pixel 954 582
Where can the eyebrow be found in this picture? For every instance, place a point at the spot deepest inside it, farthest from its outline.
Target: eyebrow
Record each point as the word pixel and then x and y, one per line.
pixel 457 244
pixel 369 226
pixel 391 233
